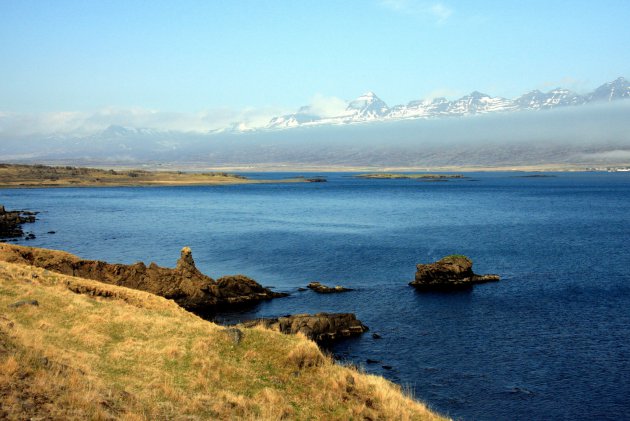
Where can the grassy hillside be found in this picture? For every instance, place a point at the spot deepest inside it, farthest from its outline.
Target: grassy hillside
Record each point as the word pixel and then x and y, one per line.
pixel 95 351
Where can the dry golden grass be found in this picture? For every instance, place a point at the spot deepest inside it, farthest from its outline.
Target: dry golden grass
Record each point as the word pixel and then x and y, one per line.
pixel 126 354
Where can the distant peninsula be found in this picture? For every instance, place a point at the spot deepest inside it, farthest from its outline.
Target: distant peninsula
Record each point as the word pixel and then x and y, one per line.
pixel 395 176
pixel 17 175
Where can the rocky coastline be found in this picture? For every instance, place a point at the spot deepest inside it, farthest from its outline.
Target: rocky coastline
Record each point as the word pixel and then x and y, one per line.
pixel 11 222
pixel 320 327
pixel 184 284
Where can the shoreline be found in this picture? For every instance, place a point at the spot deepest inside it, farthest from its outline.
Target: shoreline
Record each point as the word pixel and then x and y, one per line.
pixel 192 169
pixel 119 349
pixel 43 176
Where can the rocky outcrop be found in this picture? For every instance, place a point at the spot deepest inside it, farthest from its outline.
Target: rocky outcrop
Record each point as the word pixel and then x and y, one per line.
pixel 451 272
pixel 11 222
pixel 321 327
pixel 185 284
pixel 317 287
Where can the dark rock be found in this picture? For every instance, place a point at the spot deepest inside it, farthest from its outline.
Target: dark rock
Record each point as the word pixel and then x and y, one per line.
pixel 316 180
pixel 376 336
pixel 321 327
pixel 451 272
pixel 301 289
pixel 387 367
pixel 371 361
pixel 11 222
pixel 185 284
pixel 317 287
pixel 24 303
pixel 52 232
pixel 235 334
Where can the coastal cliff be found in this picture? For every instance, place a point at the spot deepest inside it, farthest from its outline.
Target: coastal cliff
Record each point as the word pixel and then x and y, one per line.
pixel 75 348
pixel 184 284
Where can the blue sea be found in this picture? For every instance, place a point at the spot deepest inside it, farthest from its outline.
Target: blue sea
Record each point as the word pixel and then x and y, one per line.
pixel 551 340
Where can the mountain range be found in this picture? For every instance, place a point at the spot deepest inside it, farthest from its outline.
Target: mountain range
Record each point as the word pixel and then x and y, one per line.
pixel 369 107
pixel 404 136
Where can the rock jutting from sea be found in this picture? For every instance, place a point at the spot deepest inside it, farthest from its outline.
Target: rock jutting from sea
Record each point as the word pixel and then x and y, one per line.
pixel 448 273
pixel 184 284
pixel 321 327
pixel 323 289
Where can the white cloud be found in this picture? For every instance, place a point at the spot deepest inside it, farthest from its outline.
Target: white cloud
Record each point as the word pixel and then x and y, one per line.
pixel 444 92
pixel 441 12
pixel 330 106
pixel 84 123
pixel 568 82
pixel 438 12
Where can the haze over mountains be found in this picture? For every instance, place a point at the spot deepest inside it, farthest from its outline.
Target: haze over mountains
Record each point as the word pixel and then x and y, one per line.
pixel 558 127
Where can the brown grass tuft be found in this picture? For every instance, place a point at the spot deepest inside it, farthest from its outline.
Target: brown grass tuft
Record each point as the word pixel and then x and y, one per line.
pixel 305 354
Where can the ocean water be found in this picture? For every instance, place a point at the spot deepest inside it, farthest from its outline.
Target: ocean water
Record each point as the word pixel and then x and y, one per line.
pixel 551 340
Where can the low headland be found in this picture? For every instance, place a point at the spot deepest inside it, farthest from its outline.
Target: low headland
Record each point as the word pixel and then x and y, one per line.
pixel 400 176
pixel 78 348
pixel 18 175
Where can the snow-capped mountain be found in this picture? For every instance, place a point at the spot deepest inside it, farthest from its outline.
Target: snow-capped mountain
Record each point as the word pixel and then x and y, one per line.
pixel 617 89
pixel 369 107
pixel 478 103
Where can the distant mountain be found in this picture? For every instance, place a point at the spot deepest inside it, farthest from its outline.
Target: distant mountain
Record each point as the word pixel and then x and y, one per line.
pixel 617 89
pixel 369 133
pixel 369 107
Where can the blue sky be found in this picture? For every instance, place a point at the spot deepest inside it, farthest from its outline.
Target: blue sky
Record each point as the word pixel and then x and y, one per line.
pixel 245 56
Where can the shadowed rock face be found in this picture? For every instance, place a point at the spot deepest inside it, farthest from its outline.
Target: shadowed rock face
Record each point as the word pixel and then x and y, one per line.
pixel 11 222
pixel 451 272
pixel 321 327
pixel 185 284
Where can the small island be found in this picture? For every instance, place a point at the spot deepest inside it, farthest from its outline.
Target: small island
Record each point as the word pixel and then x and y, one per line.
pixel 18 175
pixel 449 273
pixel 324 289
pixel 421 177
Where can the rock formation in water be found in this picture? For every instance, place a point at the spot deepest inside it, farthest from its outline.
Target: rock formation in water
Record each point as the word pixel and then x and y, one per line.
pixel 317 287
pixel 321 327
pixel 11 222
pixel 185 284
pixel 451 272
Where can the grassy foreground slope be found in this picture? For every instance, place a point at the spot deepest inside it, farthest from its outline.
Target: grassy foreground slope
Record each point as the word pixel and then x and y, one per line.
pixel 108 352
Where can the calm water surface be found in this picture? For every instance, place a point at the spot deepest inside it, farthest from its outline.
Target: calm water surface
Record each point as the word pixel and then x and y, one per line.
pixel 550 341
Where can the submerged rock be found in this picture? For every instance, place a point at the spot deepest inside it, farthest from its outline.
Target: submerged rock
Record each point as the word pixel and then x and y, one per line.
pixel 451 272
pixel 317 287
pixel 321 327
pixel 185 284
